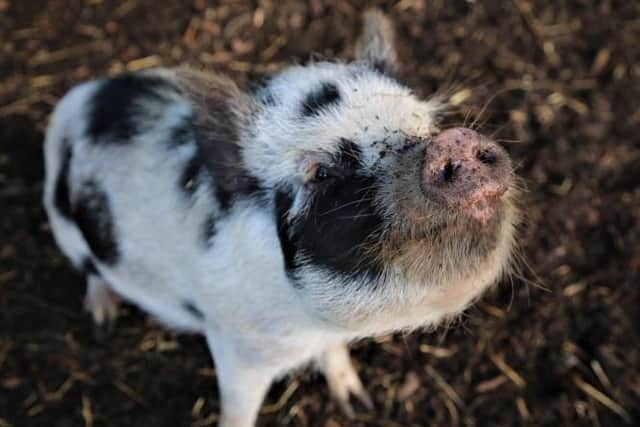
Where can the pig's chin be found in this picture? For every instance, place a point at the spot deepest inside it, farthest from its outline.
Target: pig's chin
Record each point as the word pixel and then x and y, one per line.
pixel 476 226
pixel 453 246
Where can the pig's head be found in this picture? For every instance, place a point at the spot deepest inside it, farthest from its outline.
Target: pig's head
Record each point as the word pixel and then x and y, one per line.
pixel 385 221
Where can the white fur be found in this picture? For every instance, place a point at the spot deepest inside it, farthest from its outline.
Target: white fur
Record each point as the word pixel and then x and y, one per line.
pixel 371 106
pixel 65 123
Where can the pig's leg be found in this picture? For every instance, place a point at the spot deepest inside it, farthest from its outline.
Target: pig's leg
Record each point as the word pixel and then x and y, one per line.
pixel 342 378
pixel 101 301
pixel 243 381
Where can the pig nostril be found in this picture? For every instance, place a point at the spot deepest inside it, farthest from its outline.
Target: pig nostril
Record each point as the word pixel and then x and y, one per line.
pixel 447 172
pixel 487 157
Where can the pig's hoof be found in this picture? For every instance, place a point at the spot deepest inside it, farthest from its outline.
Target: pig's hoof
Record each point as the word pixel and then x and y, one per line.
pixel 343 380
pixel 101 302
pixel 345 383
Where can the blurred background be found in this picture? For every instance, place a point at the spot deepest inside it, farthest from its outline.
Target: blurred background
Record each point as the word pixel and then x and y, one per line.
pixel 556 82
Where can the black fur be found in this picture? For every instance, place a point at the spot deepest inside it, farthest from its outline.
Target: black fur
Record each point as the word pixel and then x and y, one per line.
pixel 222 160
pixel 224 197
pixel 191 175
pixel 283 201
pixel 348 156
pixel 89 267
pixel 328 94
pixel 92 214
pixel 215 123
pixel 182 133
pixel 339 225
pixel 61 198
pixel 219 159
pixel 193 310
pixel 381 66
pixel 114 116
pixel 223 163
pixel 209 229
pixel 341 222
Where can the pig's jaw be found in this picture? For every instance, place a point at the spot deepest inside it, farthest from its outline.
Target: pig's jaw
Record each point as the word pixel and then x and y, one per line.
pixel 407 296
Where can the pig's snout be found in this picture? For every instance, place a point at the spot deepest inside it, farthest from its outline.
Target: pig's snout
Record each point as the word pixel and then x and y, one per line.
pixel 466 172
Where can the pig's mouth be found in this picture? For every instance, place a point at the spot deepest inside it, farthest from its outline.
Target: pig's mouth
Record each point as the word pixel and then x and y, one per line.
pixel 473 226
pixel 435 252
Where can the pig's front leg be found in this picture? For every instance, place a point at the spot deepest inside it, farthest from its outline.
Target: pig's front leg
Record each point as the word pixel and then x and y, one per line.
pixel 342 378
pixel 243 380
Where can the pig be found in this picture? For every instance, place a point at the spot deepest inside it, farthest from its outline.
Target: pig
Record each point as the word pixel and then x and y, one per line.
pixel 281 223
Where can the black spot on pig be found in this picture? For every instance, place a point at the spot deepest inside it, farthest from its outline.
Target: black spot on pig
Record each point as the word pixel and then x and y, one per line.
pixel 61 199
pixel 283 202
pixel 343 210
pixel 89 267
pixel 348 155
pixel 209 229
pixel 338 230
pixel 224 198
pixel 231 180
pixel 92 214
pixel 182 133
pixel 191 175
pixel 116 115
pixel 381 67
pixel 327 95
pixel 193 310
pixel 215 123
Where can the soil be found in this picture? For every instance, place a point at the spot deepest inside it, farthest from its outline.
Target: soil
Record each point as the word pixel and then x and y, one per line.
pixel 555 82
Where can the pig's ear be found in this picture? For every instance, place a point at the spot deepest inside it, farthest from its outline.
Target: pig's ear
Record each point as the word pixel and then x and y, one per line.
pixel 376 45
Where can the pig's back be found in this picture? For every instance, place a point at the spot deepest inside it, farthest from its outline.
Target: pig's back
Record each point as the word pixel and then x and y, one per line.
pixel 127 194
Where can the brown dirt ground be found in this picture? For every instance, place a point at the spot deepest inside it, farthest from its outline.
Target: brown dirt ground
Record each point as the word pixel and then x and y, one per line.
pixel 556 82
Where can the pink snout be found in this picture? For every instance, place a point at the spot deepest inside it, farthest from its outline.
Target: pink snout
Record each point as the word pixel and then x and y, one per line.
pixel 466 172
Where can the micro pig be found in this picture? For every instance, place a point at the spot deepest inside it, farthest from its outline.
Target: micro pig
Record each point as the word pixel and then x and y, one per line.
pixel 281 223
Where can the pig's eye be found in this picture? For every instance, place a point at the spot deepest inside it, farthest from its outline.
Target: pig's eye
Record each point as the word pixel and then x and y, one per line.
pixel 322 173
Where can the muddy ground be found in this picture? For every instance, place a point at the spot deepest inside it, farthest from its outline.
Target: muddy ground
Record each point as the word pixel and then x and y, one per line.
pixel 556 82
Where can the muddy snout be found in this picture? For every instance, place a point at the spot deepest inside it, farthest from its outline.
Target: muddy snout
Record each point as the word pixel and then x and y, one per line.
pixel 466 172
